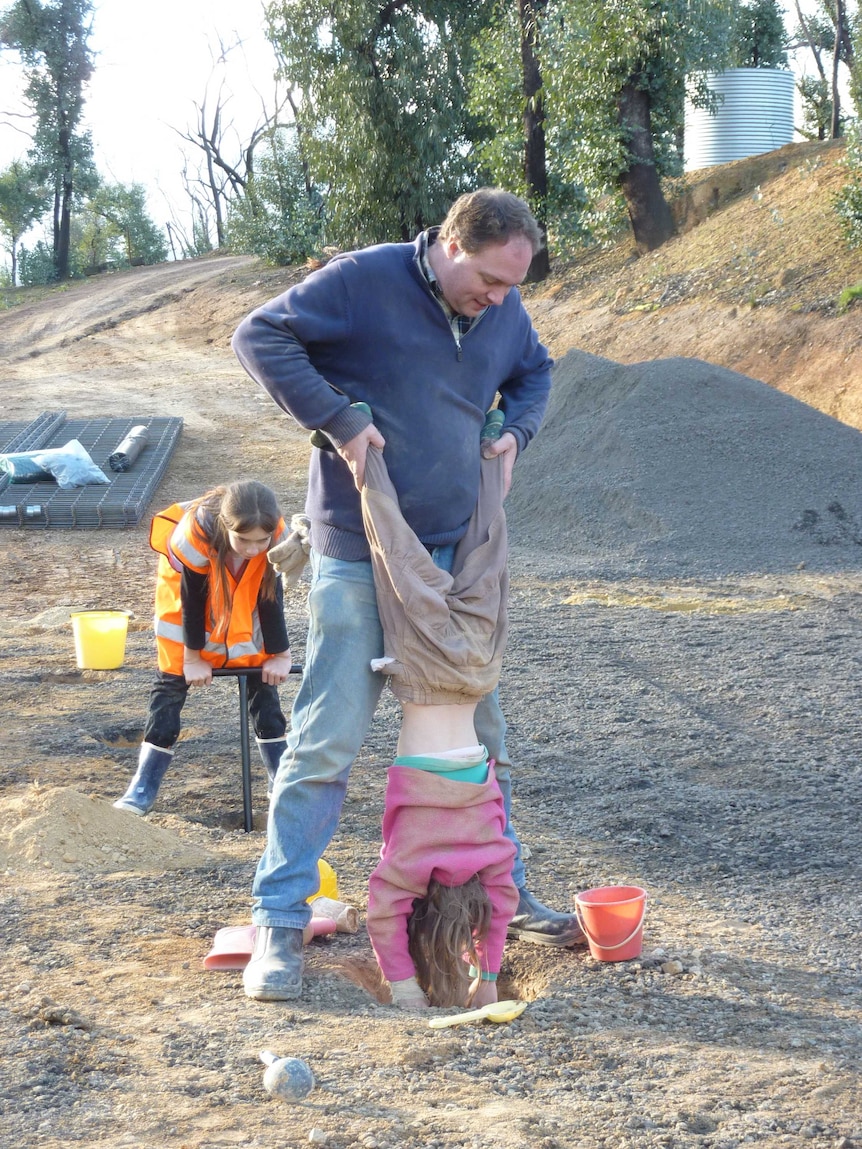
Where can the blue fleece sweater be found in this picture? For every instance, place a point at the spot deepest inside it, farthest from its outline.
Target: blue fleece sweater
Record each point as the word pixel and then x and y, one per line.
pixel 367 328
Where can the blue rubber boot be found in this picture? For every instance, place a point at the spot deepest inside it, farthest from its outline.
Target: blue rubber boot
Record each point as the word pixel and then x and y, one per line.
pixel 271 750
pixel 143 789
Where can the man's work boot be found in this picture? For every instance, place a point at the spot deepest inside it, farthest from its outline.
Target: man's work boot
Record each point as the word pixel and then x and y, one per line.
pixel 274 972
pixel 534 922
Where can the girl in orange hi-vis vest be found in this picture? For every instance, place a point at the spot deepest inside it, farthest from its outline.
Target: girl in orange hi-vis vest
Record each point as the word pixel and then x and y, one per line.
pixel 219 603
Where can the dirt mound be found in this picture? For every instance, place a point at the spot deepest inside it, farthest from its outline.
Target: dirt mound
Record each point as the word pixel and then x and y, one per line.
pixel 754 287
pixel 60 829
pixel 683 467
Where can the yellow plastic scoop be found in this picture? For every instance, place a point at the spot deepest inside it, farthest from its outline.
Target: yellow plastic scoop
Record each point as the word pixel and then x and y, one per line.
pixel 496 1011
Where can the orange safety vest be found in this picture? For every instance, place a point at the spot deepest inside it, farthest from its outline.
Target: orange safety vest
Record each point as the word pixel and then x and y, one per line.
pixel 233 636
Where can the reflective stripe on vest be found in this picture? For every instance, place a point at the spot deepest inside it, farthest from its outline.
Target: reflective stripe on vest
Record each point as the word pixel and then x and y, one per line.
pixel 187 547
pixel 173 632
pixel 238 638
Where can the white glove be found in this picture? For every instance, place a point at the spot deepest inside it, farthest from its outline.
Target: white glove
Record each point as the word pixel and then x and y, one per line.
pixel 289 557
pixel 407 994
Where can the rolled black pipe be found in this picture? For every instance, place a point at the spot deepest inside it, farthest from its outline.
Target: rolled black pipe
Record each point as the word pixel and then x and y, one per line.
pixel 237 670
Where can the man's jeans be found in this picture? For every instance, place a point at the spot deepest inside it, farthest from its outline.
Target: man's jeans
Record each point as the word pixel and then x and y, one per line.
pixel 331 715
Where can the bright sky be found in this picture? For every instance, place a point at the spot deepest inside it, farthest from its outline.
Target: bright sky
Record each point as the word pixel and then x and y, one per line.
pixel 154 60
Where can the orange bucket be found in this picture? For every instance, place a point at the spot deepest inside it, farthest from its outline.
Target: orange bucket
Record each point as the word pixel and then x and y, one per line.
pixel 612 917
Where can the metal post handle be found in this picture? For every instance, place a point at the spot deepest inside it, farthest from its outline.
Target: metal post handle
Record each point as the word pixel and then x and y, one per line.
pixel 241 674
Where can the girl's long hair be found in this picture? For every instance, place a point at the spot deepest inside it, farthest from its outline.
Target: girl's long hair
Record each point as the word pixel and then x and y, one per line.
pixel 444 931
pixel 239 507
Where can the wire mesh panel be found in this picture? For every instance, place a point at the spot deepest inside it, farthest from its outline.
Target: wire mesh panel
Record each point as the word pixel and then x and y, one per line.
pixel 31 436
pixel 119 504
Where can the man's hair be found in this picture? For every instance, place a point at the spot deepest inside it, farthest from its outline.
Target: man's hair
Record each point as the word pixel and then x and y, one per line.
pixel 490 215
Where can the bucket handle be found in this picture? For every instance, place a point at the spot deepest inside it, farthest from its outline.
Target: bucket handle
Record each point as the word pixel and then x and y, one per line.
pixel 103 610
pixel 617 945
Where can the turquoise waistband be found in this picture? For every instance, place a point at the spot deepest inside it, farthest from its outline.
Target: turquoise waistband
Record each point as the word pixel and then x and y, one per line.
pixel 443 768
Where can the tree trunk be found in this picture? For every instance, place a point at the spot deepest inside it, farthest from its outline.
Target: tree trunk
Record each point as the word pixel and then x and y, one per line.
pixel 63 207
pixel 55 238
pixel 61 258
pixel 840 20
pixel 535 167
pixel 649 213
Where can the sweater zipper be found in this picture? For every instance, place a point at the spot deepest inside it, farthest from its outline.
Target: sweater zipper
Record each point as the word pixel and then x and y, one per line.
pixel 473 327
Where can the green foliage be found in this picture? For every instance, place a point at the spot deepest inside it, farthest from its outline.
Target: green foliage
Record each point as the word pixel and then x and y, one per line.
pixel 855 65
pixel 588 54
pixel 816 30
pixel 36 265
pixel 759 36
pixel 23 200
pixel 52 41
pixel 276 219
pixel 383 118
pixel 848 201
pixel 849 296
pixel 202 243
pixel 114 229
pixel 816 100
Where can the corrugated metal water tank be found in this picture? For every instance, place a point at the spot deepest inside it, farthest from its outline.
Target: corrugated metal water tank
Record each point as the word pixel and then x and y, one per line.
pixel 755 116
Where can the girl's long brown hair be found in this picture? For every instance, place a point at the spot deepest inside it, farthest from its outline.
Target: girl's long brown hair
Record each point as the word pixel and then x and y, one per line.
pixel 445 927
pixel 239 507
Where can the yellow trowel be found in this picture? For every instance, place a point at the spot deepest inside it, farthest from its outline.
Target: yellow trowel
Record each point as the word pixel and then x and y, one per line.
pixel 496 1011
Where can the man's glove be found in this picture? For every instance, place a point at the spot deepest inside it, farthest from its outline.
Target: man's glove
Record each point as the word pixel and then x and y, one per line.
pixel 289 558
pixel 492 430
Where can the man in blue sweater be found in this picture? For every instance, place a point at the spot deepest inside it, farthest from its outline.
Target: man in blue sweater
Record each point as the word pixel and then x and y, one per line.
pixel 427 334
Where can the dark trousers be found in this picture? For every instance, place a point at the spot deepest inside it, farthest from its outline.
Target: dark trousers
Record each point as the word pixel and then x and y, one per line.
pixel 168 696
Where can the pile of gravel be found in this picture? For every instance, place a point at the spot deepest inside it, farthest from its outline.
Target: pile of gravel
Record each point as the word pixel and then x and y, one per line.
pixel 678 467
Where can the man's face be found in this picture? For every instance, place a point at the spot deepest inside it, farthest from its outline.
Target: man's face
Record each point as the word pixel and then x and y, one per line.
pixel 470 283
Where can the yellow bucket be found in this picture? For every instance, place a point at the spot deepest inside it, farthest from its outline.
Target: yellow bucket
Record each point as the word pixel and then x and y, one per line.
pixel 100 638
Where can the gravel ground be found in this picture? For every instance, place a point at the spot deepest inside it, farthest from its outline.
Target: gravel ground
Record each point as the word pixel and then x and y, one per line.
pixel 682 688
pixel 701 740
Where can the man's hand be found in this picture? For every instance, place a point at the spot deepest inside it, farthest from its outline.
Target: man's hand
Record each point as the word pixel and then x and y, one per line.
pixel 289 557
pixel 276 669
pixel 507 446
pixel 354 452
pixel 196 670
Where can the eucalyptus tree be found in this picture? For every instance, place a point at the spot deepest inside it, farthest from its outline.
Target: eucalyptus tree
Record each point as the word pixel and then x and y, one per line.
pixel 832 32
pixel 24 199
pixel 759 35
pixel 278 216
pixel 115 228
pixel 614 79
pixel 51 37
pixel 383 123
